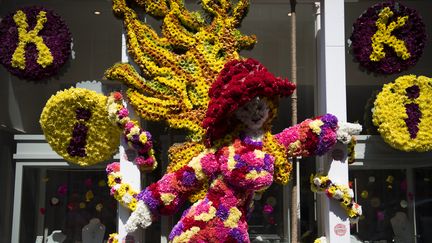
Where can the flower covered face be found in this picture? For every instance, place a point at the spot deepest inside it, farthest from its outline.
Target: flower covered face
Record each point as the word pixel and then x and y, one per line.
pixel 254 113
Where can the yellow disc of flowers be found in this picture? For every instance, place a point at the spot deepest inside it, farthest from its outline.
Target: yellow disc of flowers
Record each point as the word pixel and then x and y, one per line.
pixel 403 113
pixel 76 126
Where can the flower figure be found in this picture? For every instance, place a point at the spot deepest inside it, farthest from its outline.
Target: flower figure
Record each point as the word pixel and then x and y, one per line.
pixel 196 80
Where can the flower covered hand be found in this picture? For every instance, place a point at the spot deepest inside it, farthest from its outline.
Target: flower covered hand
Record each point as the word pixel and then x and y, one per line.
pixel 140 217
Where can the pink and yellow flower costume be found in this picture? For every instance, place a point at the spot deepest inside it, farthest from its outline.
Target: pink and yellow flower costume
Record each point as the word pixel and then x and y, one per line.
pixel 235 171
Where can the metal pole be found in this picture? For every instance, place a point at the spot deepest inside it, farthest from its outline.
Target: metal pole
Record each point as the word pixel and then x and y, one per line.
pixel 295 198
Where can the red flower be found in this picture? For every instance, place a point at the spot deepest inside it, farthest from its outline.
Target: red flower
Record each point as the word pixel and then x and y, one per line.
pixel 117 96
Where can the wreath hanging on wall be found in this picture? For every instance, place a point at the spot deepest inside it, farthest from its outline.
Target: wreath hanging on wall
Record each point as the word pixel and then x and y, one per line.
pixel 76 125
pixel 403 113
pixel 35 43
pixel 388 38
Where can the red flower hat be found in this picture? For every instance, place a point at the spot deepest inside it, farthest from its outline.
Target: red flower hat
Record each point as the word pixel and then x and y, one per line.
pixel 239 82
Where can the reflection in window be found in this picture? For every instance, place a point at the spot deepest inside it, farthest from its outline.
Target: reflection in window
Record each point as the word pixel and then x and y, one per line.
pixel 76 206
pixel 384 197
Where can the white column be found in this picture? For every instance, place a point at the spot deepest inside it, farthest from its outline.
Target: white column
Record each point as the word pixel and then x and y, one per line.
pixel 331 98
pixel 130 172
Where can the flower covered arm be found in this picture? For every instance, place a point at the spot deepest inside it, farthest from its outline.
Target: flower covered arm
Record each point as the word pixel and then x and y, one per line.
pixel 167 195
pixel 311 137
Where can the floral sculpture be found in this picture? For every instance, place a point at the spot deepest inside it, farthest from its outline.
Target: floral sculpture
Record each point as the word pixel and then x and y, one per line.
pixel 36 43
pixel 195 79
pixel 402 113
pixel 341 193
pixel 76 126
pixel 388 38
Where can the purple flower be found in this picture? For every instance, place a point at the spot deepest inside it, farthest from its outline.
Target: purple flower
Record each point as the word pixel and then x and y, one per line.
pixel 240 163
pixel 413 92
pixel 248 140
pixel 83 114
pixel 236 234
pixel 222 212
pixel 188 178
pixel 177 230
pixel 147 196
pixel 268 162
pixel 78 141
pixel 414 115
pixel 330 121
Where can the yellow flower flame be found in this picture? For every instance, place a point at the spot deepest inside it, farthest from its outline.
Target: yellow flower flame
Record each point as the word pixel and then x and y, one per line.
pixel 179 66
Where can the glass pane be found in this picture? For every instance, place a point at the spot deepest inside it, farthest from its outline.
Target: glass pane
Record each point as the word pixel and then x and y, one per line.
pixel 73 205
pixel 384 197
pixel 423 204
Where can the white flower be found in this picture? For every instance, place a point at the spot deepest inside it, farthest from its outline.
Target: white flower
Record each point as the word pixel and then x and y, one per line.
pixel 127 198
pixel 338 194
pixel 357 208
pixel 116 187
pixel 317 181
pixel 346 130
pixel 141 216
pixel 351 193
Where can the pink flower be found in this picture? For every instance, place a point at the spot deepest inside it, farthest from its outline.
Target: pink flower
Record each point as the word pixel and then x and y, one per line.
pixel 129 125
pixel 268 209
pixel 209 164
pixel 147 162
pixel 62 190
pixel 113 167
pixel 123 112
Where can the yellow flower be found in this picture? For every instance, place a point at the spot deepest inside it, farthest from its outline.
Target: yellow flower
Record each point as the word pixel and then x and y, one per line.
pixel 58 120
pixel 384 36
pixel 45 57
pixel 390 113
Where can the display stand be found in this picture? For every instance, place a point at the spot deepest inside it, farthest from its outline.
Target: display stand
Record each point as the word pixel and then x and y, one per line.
pixel 93 232
pixel 401 228
pixel 57 237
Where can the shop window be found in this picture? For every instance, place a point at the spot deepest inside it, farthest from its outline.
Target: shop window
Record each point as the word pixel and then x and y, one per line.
pixel 65 203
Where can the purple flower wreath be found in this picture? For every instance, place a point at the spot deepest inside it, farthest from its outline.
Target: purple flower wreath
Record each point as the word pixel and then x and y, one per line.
pixel 412 33
pixel 55 35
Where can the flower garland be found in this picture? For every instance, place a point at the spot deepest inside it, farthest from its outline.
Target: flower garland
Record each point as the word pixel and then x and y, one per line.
pixel 322 239
pixel 127 196
pixel 137 138
pixel 113 238
pixel 76 126
pixel 36 43
pixel 403 113
pixel 341 193
pixel 388 38
pixel 122 192
pixel 351 150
